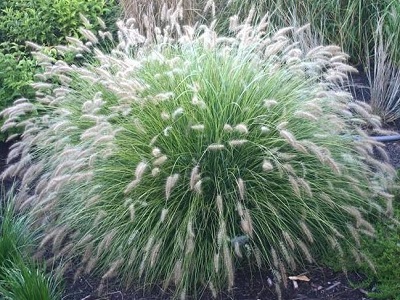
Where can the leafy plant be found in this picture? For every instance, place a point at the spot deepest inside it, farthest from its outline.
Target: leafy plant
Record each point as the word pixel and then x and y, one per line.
pixel 391 29
pixel 49 22
pixel 383 250
pixel 153 161
pixel 16 75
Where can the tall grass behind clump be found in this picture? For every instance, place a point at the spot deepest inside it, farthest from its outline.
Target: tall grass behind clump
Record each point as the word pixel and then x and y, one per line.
pixel 150 161
pixel 349 24
pixel 149 15
pixel 391 29
pixel 384 77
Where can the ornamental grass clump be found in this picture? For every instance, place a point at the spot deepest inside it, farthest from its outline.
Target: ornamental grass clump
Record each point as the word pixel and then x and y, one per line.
pixel 150 164
pixel 21 278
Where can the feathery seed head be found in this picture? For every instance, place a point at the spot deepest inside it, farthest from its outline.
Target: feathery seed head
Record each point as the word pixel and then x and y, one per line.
pixel 170 184
pixel 155 172
pixel 307 231
pixel 178 112
pixel 235 143
pixel 160 161
pixel 219 204
pixel 164 213
pixel 198 127
pixel 197 187
pixel 228 127
pixel 165 116
pixel 241 188
pixel 140 169
pixel 156 152
pixel 265 129
pixel 269 103
pixel 241 128
pixel 216 147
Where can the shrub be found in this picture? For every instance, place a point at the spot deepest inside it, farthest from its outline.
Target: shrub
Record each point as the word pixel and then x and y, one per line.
pixel 384 251
pixel 152 162
pixel 391 29
pixel 45 22
pixel 16 75
pixel 49 22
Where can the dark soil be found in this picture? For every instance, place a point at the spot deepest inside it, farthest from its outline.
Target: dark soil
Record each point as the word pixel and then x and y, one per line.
pixel 324 284
pixel 249 284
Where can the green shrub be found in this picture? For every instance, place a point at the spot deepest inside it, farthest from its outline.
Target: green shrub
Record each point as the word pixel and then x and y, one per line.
pixel 349 24
pixel 16 75
pixel 49 22
pixel 152 162
pixel 391 29
pixel 384 252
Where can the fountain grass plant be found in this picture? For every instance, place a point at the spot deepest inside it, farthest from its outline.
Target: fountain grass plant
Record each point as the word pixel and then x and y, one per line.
pixel 151 163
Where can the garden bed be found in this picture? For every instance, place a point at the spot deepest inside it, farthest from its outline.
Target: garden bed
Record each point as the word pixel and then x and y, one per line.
pixel 249 284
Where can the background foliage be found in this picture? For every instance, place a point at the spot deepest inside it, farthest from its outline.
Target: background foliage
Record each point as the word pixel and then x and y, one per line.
pixel 47 23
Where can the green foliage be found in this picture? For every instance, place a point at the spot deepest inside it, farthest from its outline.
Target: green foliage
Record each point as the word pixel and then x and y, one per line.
pixel 384 252
pixel 16 74
pixel 14 236
pixel 384 77
pixel 22 281
pixel 20 277
pixel 391 29
pixel 48 22
pixel 150 162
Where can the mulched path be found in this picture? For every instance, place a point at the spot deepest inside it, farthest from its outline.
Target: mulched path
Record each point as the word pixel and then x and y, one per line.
pixel 249 284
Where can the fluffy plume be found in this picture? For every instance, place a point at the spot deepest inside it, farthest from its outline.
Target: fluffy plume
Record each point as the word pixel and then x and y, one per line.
pixel 170 184
pixel 241 188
